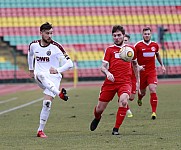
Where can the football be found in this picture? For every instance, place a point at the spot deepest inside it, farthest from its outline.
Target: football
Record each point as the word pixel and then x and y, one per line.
pixel 126 53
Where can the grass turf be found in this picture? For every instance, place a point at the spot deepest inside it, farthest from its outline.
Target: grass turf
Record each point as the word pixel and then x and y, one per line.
pixel 68 124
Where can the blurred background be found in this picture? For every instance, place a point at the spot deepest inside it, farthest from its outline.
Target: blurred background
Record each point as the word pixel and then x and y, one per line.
pixel 83 27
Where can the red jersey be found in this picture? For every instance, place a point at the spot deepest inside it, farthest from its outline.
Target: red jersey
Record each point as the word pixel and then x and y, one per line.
pixel 146 54
pixel 120 69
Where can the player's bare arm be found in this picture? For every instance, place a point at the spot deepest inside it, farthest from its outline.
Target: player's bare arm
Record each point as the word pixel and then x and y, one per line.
pixel 104 69
pixel 136 69
pixel 160 61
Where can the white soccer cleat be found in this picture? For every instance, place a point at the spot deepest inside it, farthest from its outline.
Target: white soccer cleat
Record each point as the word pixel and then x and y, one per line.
pixel 129 113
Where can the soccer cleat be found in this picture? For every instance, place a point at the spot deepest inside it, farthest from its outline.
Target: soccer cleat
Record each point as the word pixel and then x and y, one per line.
pixel 130 115
pixel 139 103
pixel 94 124
pixel 115 131
pixel 41 134
pixel 153 116
pixel 63 95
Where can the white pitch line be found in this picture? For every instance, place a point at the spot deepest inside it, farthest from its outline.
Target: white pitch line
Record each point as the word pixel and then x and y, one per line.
pixel 24 105
pixel 21 106
pixel 8 100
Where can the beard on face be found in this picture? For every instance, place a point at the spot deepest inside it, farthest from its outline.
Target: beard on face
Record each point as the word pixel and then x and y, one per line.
pixel 47 41
pixel 146 40
pixel 118 43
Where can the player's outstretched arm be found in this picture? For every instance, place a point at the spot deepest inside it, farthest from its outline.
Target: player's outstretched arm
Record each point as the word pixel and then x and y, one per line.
pixel 68 65
pixel 137 69
pixel 160 61
pixel 104 69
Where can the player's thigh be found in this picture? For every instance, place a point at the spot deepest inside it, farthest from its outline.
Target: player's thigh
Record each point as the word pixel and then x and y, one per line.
pixel 152 78
pixel 55 79
pixel 124 88
pixel 107 93
pixel 143 80
pixel 39 83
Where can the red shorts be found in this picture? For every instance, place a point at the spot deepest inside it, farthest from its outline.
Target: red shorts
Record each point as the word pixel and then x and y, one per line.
pixel 108 91
pixel 147 78
pixel 133 81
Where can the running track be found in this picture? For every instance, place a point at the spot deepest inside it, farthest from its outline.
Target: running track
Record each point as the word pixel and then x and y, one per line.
pixel 13 88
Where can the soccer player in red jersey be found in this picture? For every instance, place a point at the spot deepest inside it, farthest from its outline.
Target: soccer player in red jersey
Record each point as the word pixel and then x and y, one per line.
pixel 133 80
pixel 118 80
pixel 146 51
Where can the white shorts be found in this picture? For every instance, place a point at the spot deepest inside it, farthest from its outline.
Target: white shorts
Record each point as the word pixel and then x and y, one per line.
pixel 54 78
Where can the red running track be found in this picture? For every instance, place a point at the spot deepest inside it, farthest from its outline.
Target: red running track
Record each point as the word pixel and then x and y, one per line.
pixel 13 88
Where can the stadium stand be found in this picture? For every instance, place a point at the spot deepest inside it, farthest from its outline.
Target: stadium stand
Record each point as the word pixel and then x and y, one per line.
pixel 83 27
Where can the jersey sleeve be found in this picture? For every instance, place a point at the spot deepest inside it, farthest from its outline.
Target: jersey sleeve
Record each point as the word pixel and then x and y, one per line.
pixel 30 58
pixel 107 55
pixel 65 63
pixel 64 60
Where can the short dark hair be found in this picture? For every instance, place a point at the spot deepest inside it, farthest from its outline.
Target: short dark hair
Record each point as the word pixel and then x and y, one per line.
pixel 118 28
pixel 46 26
pixel 146 28
pixel 127 35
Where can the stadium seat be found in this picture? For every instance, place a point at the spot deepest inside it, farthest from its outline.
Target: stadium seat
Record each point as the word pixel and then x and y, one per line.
pixel 85 27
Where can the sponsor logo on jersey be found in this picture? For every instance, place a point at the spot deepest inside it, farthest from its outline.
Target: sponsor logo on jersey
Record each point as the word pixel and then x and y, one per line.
pixel 49 53
pixel 43 59
pixel 143 49
pixel 153 49
pixel 149 54
pixel 117 55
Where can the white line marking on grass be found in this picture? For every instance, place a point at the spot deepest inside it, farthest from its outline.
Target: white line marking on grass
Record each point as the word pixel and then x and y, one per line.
pixel 21 106
pixel 8 100
pixel 24 105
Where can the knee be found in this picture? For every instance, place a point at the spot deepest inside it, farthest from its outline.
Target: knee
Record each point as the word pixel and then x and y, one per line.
pixel 152 90
pixel 123 102
pixel 47 104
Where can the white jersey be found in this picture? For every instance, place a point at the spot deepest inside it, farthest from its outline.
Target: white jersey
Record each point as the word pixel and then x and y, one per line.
pixel 42 58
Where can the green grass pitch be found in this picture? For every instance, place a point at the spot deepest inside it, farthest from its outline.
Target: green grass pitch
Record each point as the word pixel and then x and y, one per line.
pixel 68 124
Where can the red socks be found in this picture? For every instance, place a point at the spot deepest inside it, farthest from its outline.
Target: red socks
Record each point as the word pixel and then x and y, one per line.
pixel 121 113
pixel 153 101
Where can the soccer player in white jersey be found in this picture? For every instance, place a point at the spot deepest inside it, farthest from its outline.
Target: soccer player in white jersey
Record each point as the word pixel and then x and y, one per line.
pixel 47 59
